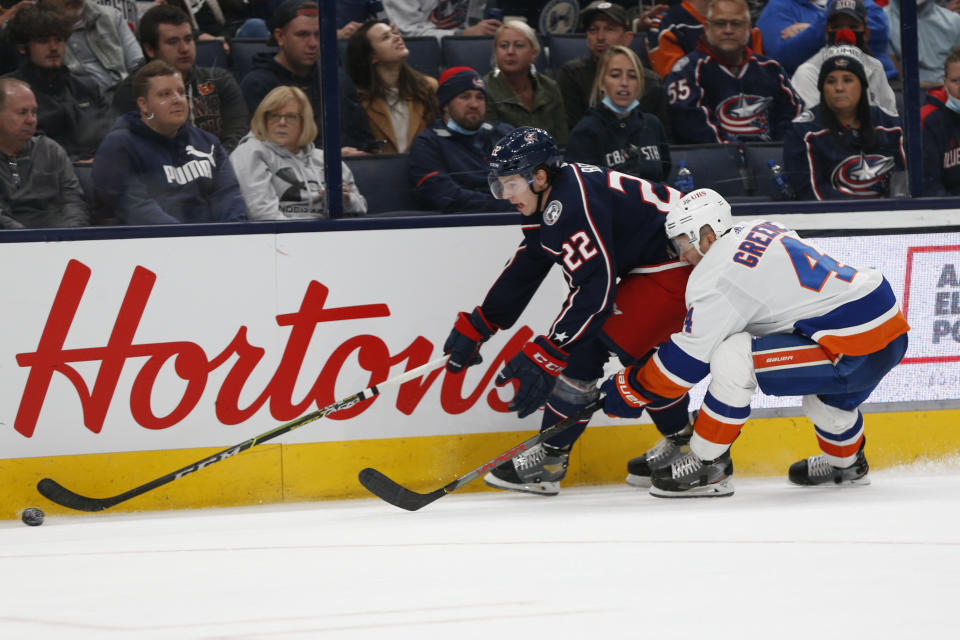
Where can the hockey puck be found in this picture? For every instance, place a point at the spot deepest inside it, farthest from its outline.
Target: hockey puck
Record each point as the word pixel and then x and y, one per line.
pixel 32 516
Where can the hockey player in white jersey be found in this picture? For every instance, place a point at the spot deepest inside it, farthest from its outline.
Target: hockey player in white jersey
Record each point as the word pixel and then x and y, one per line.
pixel 767 309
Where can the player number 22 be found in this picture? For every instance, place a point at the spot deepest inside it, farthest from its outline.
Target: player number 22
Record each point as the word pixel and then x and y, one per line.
pixel 579 243
pixel 812 267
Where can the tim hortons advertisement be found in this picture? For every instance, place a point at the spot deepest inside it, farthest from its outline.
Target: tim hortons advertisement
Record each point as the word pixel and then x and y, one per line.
pixel 122 345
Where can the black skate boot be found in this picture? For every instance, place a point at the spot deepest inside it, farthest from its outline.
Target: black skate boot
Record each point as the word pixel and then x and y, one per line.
pixel 538 470
pixel 816 471
pixel 690 477
pixel 665 451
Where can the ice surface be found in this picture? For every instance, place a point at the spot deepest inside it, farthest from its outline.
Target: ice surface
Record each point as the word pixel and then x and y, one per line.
pixel 773 561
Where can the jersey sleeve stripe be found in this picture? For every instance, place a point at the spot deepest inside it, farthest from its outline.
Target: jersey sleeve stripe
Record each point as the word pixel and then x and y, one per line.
pixel 686 369
pixel 655 379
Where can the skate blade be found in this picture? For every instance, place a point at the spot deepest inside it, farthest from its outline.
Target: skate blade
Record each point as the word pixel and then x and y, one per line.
pixel 859 482
pixel 641 482
pixel 721 489
pixel 537 488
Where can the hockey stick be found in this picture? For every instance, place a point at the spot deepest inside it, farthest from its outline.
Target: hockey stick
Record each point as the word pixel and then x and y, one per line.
pixel 386 489
pixel 55 492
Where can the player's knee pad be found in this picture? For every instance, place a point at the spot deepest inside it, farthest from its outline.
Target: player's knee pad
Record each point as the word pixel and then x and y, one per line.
pixel 839 431
pixel 733 379
pixel 569 395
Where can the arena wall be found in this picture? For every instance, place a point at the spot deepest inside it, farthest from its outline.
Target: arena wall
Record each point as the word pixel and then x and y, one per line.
pixel 127 358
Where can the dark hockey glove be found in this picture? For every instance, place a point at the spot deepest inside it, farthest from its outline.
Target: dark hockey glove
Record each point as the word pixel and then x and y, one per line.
pixel 463 343
pixel 535 369
pixel 623 397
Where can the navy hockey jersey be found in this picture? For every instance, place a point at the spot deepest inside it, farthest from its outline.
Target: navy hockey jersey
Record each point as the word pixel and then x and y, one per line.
pixel 941 146
pixel 636 144
pixel 713 102
pixel 597 225
pixel 826 165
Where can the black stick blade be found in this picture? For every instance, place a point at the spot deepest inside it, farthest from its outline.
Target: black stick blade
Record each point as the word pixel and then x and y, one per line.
pixel 389 491
pixel 56 492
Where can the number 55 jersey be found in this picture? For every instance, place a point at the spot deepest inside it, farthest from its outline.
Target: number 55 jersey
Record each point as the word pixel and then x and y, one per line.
pixel 763 279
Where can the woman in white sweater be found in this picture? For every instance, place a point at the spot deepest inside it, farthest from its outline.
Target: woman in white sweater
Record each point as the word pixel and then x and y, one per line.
pixel 280 170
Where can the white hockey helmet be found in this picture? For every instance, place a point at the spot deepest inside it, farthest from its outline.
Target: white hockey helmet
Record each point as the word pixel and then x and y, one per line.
pixel 694 210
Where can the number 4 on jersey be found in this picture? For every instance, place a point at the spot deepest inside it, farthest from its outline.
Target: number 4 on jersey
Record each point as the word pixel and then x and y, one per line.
pixel 812 267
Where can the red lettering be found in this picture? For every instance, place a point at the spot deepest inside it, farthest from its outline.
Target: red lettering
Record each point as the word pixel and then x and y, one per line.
pixel 191 364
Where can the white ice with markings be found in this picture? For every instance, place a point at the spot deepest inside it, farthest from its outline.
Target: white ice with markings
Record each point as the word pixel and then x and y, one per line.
pixel 771 562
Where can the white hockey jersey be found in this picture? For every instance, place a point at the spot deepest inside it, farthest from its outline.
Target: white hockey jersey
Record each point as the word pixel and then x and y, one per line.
pixel 763 279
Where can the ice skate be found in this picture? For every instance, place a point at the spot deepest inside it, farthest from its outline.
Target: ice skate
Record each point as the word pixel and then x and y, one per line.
pixel 690 477
pixel 665 451
pixel 816 471
pixel 538 470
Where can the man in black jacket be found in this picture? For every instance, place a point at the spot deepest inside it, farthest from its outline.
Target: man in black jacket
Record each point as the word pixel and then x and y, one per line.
pixel 295 29
pixel 71 109
pixel 216 102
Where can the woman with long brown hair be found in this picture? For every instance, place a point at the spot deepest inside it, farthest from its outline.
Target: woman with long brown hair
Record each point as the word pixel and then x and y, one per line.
pixel 399 101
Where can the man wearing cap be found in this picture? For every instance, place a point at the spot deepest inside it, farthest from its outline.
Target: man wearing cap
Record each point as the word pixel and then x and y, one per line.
pixel 681 28
pixel 723 91
pixel 846 24
pixel 295 30
pixel 448 162
pixel 793 31
pixel 606 25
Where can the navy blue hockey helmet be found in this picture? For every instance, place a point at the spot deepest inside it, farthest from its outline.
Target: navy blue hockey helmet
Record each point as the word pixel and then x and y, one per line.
pixel 522 151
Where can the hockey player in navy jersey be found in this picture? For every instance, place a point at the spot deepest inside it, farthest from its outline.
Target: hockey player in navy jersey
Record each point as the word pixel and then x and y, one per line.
pixel 824 330
pixel 724 91
pixel 605 231
pixel 844 147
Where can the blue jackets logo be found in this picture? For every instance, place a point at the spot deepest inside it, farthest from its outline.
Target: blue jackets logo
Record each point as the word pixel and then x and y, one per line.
pixel 861 175
pixel 552 213
pixel 745 115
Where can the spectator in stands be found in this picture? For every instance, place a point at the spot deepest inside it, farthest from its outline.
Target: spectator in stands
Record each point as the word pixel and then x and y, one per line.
pixel 280 170
pixel 213 95
pixel 126 8
pixel 614 132
pixel 681 29
pixel 448 162
pixel 8 53
pixel 516 93
pixel 399 101
pixel 844 147
pixel 71 110
pixel 606 25
pixel 938 31
pixel 101 45
pixel 38 187
pixel 941 132
pixel 846 24
pixel 793 32
pixel 440 18
pixel 295 30
pixel 155 168
pixel 723 91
